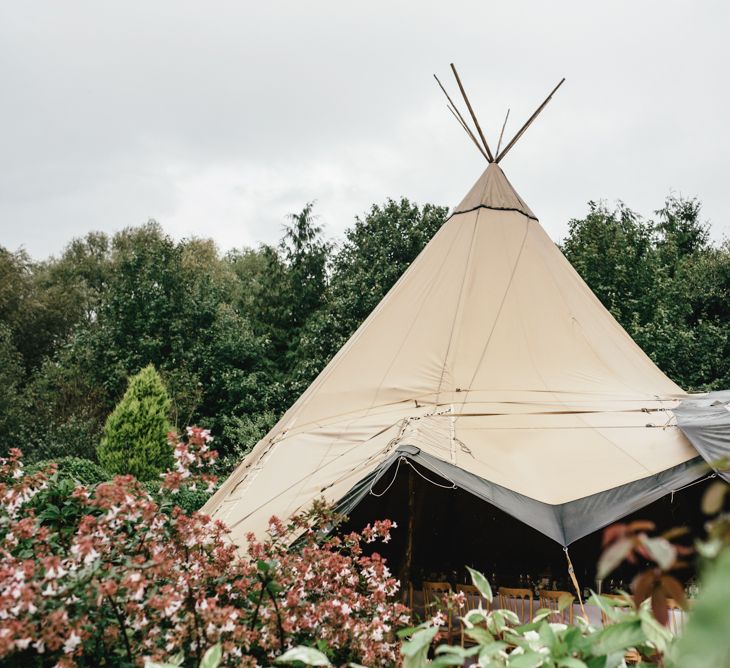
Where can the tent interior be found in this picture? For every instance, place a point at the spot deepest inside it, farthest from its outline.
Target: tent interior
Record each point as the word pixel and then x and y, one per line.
pixel 451 529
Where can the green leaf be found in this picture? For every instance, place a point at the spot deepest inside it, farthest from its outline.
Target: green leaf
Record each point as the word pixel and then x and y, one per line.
pixel 570 662
pixel 481 583
pixel 510 616
pixel 547 635
pixel 404 633
pixel 480 635
pixel 540 614
pixel 532 660
pixel 619 637
pixel 655 633
pixel 448 660
pixel 422 638
pixel 307 655
pixel 50 512
pixel 212 657
pixel 705 640
pixel 487 651
pixel 474 617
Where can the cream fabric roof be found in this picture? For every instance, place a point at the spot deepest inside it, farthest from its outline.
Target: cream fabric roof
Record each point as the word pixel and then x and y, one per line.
pixel 490 353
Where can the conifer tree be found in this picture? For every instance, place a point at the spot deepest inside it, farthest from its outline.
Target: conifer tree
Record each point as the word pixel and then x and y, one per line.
pixel 135 433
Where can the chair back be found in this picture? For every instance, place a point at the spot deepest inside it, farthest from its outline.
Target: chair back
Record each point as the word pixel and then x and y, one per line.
pixel 433 602
pixel 472 600
pixel 518 601
pixel 550 600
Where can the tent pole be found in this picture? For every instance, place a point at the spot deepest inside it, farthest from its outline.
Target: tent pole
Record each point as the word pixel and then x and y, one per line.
pixel 471 111
pixel 406 578
pixel 529 122
pixel 468 132
pixel 501 134
pixel 455 110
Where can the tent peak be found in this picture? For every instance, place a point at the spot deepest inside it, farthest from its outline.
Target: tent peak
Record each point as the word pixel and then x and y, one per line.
pixel 493 191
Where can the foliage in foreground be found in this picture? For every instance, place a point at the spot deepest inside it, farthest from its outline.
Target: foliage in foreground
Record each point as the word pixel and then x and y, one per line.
pixel 107 575
pixel 636 624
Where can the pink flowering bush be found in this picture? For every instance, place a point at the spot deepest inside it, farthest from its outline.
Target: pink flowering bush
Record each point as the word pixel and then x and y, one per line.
pixel 110 576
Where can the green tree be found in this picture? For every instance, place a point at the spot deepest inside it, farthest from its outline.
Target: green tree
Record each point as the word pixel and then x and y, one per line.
pixel 664 281
pixel 377 250
pixel 11 376
pixel 135 434
pixel 614 251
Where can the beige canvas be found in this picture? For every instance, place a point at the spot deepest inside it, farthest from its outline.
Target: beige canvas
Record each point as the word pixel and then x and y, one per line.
pixel 490 353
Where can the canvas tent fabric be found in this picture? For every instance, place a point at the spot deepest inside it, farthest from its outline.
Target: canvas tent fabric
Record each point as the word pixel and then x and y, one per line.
pixel 491 360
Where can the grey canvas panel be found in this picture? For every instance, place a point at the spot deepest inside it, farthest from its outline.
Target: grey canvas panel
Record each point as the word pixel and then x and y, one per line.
pixel 564 523
pixel 706 423
pixel 584 516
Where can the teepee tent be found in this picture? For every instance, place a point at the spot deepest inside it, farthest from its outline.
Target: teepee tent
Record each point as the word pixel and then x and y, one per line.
pixel 493 365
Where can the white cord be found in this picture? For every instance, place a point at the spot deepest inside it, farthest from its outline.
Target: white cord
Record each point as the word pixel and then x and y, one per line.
pixel 696 482
pixel 395 475
pixel 390 484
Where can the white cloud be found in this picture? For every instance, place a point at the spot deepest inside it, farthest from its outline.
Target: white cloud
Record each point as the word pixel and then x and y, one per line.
pixel 220 118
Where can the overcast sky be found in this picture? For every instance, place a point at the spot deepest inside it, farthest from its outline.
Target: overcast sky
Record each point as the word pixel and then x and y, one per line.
pixel 219 118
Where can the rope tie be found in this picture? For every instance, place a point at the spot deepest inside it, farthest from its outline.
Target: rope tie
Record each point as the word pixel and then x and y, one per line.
pixel 571 572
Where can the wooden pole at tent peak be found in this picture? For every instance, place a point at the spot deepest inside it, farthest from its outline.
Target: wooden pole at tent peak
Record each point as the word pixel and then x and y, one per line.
pixel 468 131
pixel 473 115
pixel 529 122
pixel 457 114
pixel 501 134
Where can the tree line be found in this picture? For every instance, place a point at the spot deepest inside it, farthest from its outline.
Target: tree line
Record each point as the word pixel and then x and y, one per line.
pixel 237 336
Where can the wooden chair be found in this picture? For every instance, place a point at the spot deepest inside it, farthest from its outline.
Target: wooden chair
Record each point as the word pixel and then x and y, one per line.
pixel 518 601
pixel 472 600
pixel 433 602
pixel 550 599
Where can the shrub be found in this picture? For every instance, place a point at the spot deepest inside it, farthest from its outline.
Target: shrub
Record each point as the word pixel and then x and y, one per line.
pixel 115 578
pixel 135 434
pixel 80 470
pixel 187 499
